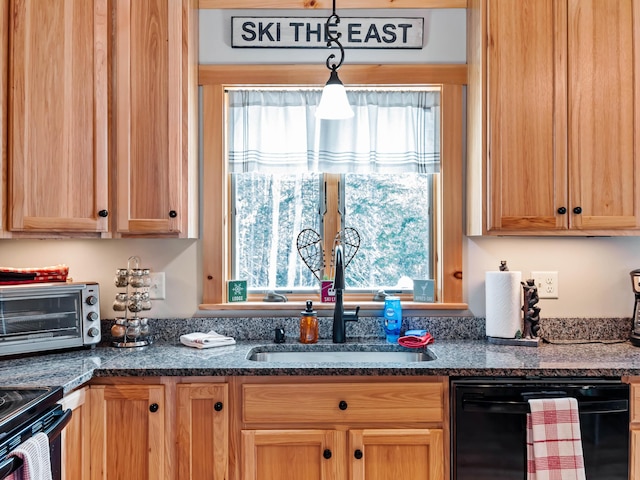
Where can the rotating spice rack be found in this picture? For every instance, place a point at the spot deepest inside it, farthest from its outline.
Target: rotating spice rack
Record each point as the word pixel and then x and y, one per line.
pixel 130 330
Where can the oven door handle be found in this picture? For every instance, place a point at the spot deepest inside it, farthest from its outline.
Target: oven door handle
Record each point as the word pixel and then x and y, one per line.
pixel 519 407
pixel 11 464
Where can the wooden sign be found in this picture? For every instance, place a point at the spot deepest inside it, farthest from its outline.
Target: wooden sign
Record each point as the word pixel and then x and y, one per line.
pixel 304 32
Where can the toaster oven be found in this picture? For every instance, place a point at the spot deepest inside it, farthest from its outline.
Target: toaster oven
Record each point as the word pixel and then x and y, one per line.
pixel 48 316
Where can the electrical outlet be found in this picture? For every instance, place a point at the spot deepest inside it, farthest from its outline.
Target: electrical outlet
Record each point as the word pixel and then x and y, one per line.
pixel 547 283
pixel 156 289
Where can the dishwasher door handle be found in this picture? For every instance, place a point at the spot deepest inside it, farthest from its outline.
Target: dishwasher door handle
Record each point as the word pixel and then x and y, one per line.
pixel 518 407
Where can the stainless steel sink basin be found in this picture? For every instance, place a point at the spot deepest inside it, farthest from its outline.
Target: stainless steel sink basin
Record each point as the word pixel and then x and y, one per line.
pixel 328 356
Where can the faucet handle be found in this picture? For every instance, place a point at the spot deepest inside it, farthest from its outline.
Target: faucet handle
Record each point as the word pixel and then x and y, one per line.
pixel 351 316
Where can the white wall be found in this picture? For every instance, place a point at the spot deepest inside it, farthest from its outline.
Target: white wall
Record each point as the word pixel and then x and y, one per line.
pixel 593 272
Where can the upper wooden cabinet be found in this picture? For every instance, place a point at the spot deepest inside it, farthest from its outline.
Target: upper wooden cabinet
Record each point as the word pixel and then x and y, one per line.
pixel 101 106
pixel 553 108
pixel 57 149
pixel 156 116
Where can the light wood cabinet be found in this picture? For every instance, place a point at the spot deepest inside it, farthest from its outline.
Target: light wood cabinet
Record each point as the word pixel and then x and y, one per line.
pixel 128 432
pixel 75 436
pixel 202 431
pixel 156 117
pixel 100 116
pixel 57 144
pixel 553 113
pixel 331 429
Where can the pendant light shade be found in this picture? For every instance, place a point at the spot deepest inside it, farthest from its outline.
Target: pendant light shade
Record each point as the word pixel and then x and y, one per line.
pixel 334 104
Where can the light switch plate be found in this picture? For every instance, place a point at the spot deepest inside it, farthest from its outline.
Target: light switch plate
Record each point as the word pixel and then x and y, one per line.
pixel 157 287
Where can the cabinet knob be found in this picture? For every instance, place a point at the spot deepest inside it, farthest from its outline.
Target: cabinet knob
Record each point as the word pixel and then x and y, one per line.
pixel 562 210
pixel 327 453
pixel 342 405
pixel 154 407
pixel 357 454
pixel 577 210
pixel 173 214
pixel 103 213
pixel 217 406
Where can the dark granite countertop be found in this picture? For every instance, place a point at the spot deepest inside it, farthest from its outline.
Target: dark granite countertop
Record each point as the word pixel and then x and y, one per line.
pixel 453 358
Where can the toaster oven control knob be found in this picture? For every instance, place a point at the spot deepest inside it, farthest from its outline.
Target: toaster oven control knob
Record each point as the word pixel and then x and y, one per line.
pixel 93 332
pixel 92 300
pixel 92 316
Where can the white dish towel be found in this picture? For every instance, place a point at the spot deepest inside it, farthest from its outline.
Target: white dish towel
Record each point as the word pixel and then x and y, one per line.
pixel 206 340
pixel 34 453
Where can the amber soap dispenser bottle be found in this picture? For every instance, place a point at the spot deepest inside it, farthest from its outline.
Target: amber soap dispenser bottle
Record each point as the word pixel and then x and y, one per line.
pixel 309 324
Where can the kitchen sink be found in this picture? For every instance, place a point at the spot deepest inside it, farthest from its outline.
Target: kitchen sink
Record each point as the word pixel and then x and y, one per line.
pixel 343 356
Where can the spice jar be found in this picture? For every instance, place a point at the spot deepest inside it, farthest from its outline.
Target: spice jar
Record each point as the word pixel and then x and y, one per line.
pixel 136 278
pixel 118 329
pixel 122 277
pixel 120 303
pixel 309 324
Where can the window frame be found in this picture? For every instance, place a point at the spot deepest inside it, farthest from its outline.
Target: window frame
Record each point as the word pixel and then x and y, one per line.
pixel 216 191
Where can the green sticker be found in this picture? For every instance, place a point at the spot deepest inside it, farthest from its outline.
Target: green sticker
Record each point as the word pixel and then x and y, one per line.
pixel 237 290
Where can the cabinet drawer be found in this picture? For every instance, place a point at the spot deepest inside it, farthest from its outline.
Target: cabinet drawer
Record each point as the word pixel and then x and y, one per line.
pixel 343 402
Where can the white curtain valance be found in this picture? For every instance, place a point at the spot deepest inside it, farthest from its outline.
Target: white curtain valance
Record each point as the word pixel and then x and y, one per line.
pixel 276 131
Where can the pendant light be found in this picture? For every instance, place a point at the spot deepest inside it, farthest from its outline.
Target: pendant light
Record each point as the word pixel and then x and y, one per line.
pixel 334 104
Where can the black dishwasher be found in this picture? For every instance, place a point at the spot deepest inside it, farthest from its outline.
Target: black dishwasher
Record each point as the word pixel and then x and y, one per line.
pixel 488 439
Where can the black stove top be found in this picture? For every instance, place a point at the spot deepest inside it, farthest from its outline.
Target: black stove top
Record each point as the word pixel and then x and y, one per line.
pixel 19 404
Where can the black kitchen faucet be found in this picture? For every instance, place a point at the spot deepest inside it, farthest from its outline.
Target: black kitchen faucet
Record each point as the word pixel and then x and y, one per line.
pixel 340 316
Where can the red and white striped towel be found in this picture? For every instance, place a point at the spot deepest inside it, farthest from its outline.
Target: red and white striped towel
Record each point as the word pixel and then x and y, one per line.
pixel 554 444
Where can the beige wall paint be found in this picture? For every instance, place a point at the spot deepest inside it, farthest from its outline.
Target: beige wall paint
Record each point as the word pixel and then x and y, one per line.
pixel 97 260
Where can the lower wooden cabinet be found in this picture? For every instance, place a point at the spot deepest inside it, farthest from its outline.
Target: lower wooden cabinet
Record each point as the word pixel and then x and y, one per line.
pixel 75 436
pixel 407 453
pixel 371 454
pixel 128 432
pixel 300 454
pixel 151 428
pixel 326 429
pixel 258 428
pixel 202 437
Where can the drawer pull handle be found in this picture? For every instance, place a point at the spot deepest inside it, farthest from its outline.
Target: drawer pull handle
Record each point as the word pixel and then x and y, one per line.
pixel 153 408
pixel 327 453
pixel 217 406
pixel 342 405
pixel 357 454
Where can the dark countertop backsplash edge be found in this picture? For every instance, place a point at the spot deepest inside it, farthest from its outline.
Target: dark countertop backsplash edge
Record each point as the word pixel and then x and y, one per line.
pixel 445 328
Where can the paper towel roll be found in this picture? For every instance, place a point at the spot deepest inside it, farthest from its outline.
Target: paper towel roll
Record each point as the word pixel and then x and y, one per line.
pixel 503 302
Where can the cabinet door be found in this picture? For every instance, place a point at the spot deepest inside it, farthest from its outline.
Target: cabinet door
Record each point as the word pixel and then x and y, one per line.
pixel 75 436
pixel 58 116
pixel 127 432
pixel 203 426
pixel 407 454
pixel 526 128
pixel 603 88
pixel 293 455
pixel 155 103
